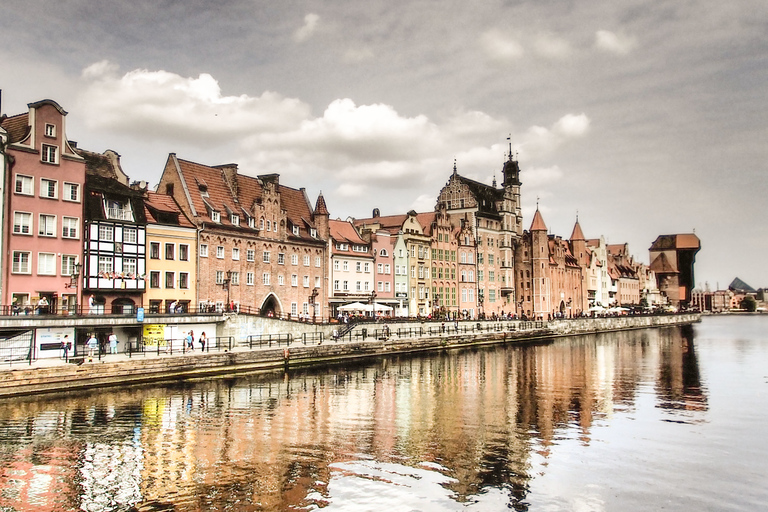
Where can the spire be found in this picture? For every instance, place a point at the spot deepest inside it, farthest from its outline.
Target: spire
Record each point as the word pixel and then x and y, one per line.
pixel 494 179
pixel 320 207
pixel 577 234
pixel 455 172
pixel 538 221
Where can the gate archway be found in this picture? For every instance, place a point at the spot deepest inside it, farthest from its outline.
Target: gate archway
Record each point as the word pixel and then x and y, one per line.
pixel 271 307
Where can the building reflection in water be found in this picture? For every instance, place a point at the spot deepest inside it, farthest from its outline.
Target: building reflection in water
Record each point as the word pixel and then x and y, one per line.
pixel 478 417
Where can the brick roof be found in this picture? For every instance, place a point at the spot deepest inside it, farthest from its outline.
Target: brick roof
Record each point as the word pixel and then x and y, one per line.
pixel 16 126
pixel 343 231
pixel 681 241
pixel 577 234
pixel 538 222
pixel 202 179
pixel 163 209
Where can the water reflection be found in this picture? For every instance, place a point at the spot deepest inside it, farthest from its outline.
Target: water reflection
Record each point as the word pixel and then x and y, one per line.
pixel 458 430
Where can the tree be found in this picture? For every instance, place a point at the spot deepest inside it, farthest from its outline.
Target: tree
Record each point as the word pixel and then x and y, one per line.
pixel 748 303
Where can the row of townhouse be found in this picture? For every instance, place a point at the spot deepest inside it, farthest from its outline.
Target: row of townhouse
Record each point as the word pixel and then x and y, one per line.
pixel 76 232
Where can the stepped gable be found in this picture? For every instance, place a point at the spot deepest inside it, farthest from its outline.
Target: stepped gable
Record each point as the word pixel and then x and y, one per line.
pixel 163 209
pixel 17 127
pixel 737 285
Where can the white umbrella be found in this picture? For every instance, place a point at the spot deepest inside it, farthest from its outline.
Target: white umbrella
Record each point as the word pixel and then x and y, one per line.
pixel 355 306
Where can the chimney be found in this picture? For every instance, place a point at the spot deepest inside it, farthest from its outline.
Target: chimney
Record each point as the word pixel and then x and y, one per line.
pixel 229 173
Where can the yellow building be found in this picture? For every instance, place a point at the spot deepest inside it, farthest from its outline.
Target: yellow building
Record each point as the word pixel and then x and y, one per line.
pixel 171 256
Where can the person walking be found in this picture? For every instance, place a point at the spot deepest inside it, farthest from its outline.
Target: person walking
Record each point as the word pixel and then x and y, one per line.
pixel 93 344
pixel 91 305
pixel 112 343
pixel 191 341
pixel 203 339
pixel 65 347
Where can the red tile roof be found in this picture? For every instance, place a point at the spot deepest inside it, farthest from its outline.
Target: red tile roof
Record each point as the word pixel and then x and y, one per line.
pixel 538 222
pixel 577 234
pixel 162 203
pixel 343 231
pixel 16 126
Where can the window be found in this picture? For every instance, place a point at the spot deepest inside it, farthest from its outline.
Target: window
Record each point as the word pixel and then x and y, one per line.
pixel 358 286
pixel 24 185
pixel 346 265
pixel 387 287
pixel 235 254
pixel 106 264
pixel 379 268
pixel 184 252
pixel 313 232
pixel 265 278
pixel 318 262
pixel 336 285
pixel 381 286
pixel 220 252
pixel 336 265
pixel 154 250
pixel 219 277
pixel 306 260
pixel 280 279
pixel 250 254
pixel 170 279
pixel 130 235
pixel 68 264
pixel 106 233
pixel 387 268
pixel 129 265
pixel 215 216
pixel 294 259
pixel 294 309
pixel 50 130
pixel 71 192
pixel 294 280
pixel 367 267
pixel 170 251
pixel 20 262
pixel 203 250
pixel 154 279
pixel 234 219
pixel 184 280
pixel 265 257
pixel 269 225
pixel 345 286
pixel 251 223
pixel 358 266
pixel 22 223
pixel 249 278
pixel 49 188
pixel 50 154
pixel 317 281
pixel 383 252
pixel 47 225
pixel 235 278
pixel 46 263
pixel 296 230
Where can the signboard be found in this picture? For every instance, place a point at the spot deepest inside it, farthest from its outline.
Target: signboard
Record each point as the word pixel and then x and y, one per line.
pixel 49 340
pixel 154 335
pixel 401 295
pixel 140 315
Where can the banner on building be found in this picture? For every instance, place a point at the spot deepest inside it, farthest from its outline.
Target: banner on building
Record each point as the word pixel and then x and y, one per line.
pixel 154 335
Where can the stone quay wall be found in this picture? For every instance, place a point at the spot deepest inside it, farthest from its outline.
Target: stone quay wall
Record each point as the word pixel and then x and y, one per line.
pixel 122 371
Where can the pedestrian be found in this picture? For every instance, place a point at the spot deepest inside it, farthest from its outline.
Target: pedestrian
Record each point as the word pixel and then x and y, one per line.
pixel 112 343
pixel 93 344
pixel 203 339
pixel 172 307
pixel 65 346
pixel 91 305
pixel 191 341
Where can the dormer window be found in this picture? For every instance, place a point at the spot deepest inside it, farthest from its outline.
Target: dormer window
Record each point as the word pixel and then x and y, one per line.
pixel 50 130
pixel 251 223
pixel 234 219
pixel 383 252
pixel 261 223
pixel 118 210
pixel 269 226
pixel 313 233
pixel 296 230
pixel 215 216
pixel 203 188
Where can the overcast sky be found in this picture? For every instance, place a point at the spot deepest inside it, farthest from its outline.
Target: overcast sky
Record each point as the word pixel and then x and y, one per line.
pixel 642 117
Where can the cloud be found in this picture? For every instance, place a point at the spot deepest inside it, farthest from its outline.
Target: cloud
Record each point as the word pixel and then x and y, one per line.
pixel 500 47
pixel 539 177
pixel 614 43
pixel 308 29
pixel 540 141
pixel 358 54
pixel 552 47
pixel 170 106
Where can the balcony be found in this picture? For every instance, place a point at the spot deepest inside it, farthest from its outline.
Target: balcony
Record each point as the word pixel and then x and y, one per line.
pixel 120 214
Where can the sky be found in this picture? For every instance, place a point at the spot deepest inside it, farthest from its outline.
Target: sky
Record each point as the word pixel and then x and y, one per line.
pixel 641 118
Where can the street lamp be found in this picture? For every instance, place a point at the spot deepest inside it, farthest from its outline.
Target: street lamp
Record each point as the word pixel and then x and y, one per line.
pixel 74 280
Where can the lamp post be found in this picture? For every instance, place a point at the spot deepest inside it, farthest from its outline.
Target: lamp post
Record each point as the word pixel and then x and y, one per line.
pixel 74 280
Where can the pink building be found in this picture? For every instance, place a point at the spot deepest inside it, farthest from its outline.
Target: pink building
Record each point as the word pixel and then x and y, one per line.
pixel 43 216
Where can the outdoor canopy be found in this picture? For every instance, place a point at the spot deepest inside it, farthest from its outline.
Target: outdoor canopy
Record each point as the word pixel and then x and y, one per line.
pixel 359 306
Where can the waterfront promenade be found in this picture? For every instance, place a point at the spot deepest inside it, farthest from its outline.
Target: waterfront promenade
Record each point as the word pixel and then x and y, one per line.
pixel 274 352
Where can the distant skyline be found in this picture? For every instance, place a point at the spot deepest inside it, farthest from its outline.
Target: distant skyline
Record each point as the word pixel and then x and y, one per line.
pixel 646 118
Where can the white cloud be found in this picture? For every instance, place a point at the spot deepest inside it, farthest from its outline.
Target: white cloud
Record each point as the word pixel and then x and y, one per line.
pixel 572 125
pixel 170 106
pixel 552 47
pixel 500 47
pixel 539 141
pixel 358 54
pixel 308 29
pixel 538 177
pixel 618 44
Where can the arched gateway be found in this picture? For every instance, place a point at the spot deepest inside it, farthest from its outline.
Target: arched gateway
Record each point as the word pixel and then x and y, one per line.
pixel 271 306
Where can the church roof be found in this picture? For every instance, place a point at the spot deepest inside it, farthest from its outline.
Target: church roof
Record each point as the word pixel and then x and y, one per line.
pixel 577 233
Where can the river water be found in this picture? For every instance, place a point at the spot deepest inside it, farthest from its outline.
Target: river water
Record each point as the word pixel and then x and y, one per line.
pixel 657 419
